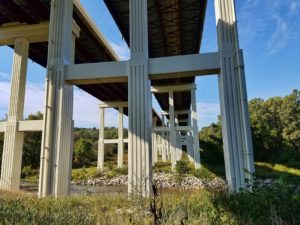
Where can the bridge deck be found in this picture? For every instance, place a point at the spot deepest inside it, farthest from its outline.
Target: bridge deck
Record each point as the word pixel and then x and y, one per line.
pixel 175 28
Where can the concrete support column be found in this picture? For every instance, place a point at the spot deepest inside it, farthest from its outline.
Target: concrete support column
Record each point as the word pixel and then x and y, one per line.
pixel 172 129
pixel 57 132
pixel 120 138
pixel 13 139
pixel 100 164
pixel 195 130
pixel 154 143
pixel 139 102
pixel 164 148
pixel 189 146
pixel 164 141
pixel 238 152
pixel 178 140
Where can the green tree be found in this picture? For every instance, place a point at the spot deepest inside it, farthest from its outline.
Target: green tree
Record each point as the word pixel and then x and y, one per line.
pixel 275 125
pixel 32 145
pixel 83 152
pixel 211 143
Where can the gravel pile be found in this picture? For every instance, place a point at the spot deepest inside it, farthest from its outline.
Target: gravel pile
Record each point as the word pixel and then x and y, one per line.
pixel 161 180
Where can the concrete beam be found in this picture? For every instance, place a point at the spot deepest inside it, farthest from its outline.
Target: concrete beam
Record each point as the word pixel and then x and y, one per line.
pixel 159 68
pixel 91 73
pixel 184 66
pixel 161 129
pixel 174 88
pixel 113 104
pixel 114 141
pixel 178 112
pixel 33 33
pixel 30 125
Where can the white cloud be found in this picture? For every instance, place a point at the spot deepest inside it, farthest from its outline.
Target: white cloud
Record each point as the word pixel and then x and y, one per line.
pixel 280 37
pixel 294 7
pixel 4 76
pixel 207 113
pixel 86 110
pixel 121 49
pixel 86 107
pixel 270 23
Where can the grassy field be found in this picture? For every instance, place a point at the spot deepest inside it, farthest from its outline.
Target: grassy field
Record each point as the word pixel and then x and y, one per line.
pixel 279 205
pixel 262 205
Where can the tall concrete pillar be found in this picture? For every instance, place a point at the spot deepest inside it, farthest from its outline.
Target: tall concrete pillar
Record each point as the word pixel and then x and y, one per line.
pixel 100 162
pixel 238 152
pixel 120 139
pixel 189 146
pixel 195 130
pixel 164 147
pixel 13 139
pixel 140 103
pixel 57 131
pixel 172 129
pixel 154 143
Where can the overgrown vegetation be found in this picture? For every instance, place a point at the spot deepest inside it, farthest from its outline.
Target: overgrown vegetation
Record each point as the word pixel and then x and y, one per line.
pixel 275 125
pixel 262 205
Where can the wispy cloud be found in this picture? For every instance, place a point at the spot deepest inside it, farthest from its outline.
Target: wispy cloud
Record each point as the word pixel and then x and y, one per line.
pixel 86 107
pixel 294 7
pixel 207 113
pixel 121 49
pixel 4 76
pixel 269 24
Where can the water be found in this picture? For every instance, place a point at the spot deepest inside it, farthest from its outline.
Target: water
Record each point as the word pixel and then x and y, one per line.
pixel 81 189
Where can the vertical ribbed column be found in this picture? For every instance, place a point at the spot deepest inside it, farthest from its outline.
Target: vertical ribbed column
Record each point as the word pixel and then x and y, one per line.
pixel 57 131
pixel 154 143
pixel 13 140
pixel 238 152
pixel 178 140
pixel 172 146
pixel 100 164
pixel 140 103
pixel 164 150
pixel 190 149
pixel 195 130
pixel 120 138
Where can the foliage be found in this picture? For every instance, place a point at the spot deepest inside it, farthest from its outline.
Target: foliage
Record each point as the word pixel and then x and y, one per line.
pixel 83 152
pixel 279 204
pixel 276 128
pixel 32 145
pixel 275 125
pixel 204 173
pixel 212 144
pixel 183 167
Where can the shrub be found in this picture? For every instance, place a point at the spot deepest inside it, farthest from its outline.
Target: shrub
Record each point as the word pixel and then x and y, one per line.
pixel 183 167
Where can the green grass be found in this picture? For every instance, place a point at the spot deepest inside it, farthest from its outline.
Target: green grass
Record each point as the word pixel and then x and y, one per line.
pixel 260 206
pixel 279 168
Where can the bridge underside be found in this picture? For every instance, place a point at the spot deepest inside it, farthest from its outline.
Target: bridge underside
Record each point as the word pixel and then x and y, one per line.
pixel 164 39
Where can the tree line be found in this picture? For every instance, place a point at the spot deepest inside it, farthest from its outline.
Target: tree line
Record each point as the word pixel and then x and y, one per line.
pixel 275 126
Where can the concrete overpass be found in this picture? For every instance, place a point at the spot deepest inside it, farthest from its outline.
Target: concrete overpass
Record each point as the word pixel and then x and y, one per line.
pixel 164 39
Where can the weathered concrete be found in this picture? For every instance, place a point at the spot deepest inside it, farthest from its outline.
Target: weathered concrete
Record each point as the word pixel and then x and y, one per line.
pixel 57 133
pixel 139 102
pixel 13 139
pixel 234 110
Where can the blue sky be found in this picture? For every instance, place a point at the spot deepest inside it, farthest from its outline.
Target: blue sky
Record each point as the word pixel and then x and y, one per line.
pixel 269 34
